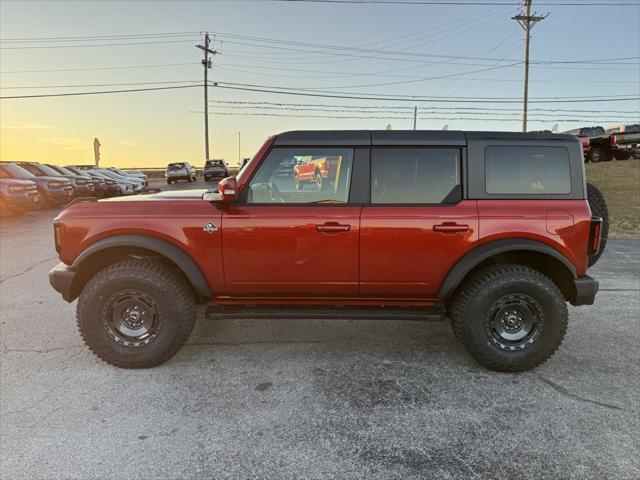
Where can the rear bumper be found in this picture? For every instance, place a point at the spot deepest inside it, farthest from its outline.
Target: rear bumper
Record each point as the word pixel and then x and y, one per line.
pixel 586 289
pixel 61 279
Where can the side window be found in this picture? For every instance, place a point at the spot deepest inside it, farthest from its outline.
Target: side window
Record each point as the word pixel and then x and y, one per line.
pixel 303 175
pixel 414 175
pixel 513 170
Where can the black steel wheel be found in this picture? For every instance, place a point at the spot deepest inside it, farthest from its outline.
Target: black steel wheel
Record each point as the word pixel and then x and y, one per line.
pixel 514 322
pixel 136 313
pixel 510 318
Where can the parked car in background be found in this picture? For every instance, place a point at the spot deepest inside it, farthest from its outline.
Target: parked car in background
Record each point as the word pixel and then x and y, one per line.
pixel 100 188
pixel 627 139
pixel 82 185
pixel 124 186
pixel 137 184
pixel 215 169
pixel 54 190
pixel 131 173
pixel 603 146
pixel 180 171
pixel 17 195
pixel 319 171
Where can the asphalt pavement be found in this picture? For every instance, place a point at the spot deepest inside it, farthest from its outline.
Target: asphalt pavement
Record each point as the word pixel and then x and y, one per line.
pixel 312 399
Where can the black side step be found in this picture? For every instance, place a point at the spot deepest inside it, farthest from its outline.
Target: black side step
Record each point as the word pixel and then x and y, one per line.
pixel 220 312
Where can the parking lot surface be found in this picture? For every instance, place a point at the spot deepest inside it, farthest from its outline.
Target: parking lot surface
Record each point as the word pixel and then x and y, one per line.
pixel 313 399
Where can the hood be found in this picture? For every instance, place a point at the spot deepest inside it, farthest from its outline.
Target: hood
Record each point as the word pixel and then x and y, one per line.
pixel 170 195
pixel 44 180
pixel 16 181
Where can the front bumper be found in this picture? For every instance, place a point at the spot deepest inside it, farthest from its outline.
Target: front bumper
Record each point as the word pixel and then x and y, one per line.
pixel 61 279
pixel 586 289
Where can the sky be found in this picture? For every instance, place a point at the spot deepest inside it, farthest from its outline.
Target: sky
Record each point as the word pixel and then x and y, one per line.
pixel 355 50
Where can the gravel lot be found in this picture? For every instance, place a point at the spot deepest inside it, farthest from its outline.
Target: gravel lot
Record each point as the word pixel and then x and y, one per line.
pixel 313 399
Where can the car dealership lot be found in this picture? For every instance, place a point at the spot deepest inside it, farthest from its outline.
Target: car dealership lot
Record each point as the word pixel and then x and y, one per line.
pixel 316 399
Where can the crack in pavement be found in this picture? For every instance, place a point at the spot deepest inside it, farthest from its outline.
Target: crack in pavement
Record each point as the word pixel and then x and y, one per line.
pixel 27 270
pixel 35 350
pixel 562 390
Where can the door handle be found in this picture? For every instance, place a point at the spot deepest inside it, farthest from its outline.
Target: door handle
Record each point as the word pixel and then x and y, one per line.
pixel 332 227
pixel 450 227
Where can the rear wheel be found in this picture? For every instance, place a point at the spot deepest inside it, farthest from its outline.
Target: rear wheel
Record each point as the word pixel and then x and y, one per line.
pixel 597 155
pixel 599 208
pixel 136 313
pixel 510 318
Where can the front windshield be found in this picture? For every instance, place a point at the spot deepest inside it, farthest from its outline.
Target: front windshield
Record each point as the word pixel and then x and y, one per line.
pixel 48 171
pixel 16 171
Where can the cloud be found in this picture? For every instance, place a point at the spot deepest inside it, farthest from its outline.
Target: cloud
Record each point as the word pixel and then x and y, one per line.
pixel 126 143
pixel 26 126
pixel 70 143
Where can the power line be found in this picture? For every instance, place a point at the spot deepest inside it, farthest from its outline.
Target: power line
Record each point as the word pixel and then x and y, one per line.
pixel 411 99
pixel 120 67
pixel 99 44
pixel 103 92
pixel 392 117
pixel 13 87
pixel 408 108
pixel 458 3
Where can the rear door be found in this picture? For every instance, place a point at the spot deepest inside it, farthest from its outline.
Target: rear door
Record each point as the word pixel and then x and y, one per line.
pixel 293 239
pixel 417 225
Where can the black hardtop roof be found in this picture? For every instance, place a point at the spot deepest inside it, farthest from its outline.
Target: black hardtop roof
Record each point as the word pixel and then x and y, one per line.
pixel 403 137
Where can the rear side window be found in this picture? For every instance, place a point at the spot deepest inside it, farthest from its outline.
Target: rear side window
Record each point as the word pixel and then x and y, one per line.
pixel 414 175
pixel 523 170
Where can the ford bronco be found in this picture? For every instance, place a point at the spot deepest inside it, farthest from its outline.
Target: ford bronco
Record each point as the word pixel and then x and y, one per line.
pixel 492 230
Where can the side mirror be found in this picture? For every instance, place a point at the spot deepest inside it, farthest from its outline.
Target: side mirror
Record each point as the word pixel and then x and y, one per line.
pixel 228 190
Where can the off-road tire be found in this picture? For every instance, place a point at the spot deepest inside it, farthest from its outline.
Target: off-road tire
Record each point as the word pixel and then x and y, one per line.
pixel 470 309
pixel 598 206
pixel 597 155
pixel 174 302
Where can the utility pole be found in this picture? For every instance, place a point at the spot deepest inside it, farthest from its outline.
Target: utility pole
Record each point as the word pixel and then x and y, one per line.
pixel 415 116
pixel 207 63
pixel 526 22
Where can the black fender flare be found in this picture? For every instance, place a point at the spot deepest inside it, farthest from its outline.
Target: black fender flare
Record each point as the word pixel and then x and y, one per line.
pixel 476 256
pixel 162 247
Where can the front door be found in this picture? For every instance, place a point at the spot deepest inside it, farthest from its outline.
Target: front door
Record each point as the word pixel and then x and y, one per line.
pixel 294 234
pixel 417 225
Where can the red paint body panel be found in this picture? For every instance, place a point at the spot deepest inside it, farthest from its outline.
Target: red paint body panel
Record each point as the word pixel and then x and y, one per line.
pixel 179 222
pixel 278 250
pixel 401 254
pixel 540 220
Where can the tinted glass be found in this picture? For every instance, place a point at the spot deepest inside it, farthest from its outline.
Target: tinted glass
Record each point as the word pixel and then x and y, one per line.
pixel 413 175
pixel 303 175
pixel 15 171
pixel 527 170
pixel 48 171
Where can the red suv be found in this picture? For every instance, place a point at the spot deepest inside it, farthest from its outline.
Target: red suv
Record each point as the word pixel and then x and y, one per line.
pixel 490 229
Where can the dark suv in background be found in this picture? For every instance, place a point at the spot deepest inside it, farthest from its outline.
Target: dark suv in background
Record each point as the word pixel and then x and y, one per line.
pixel 215 169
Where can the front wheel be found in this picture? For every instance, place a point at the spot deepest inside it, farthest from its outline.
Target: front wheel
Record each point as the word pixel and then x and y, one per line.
pixel 136 313
pixel 510 318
